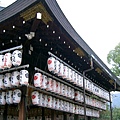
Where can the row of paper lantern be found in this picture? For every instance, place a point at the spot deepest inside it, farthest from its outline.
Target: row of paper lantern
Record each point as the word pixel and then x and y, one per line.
pixel 40 99
pixel 61 70
pixel 100 92
pixel 57 87
pixel 96 90
pixel 94 102
pixel 89 100
pixel 15 78
pixel 43 100
pixel 92 113
pixel 9 59
pixel 10 97
pixel 49 84
pixel 44 82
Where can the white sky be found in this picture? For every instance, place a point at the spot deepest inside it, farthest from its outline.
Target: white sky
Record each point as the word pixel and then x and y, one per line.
pixel 96 21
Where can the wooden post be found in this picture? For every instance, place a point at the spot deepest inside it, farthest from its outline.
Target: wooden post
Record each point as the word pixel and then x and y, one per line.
pixel 53 115
pixel 76 117
pixel 110 106
pixel 65 116
pixel 43 113
pixel 22 110
pixel 23 104
pixel 89 118
pixel 5 113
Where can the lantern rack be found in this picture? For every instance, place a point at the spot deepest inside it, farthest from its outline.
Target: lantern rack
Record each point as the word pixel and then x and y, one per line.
pixel 62 98
pixel 60 80
pixel 12 88
pixel 51 54
pixel 11 49
pixel 70 85
pixel 15 68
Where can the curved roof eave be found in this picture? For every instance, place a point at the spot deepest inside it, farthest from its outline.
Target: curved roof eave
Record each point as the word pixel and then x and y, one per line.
pixel 15 8
pixel 20 5
pixel 53 6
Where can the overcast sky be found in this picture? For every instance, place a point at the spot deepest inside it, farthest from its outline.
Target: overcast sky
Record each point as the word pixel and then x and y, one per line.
pixel 96 21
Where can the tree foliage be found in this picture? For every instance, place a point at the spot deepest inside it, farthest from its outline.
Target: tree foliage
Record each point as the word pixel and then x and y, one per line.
pixel 113 59
pixel 105 115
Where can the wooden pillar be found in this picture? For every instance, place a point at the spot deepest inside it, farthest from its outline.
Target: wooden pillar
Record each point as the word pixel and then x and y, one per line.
pixel 43 113
pixel 76 117
pixel 23 104
pixel 89 118
pixel 65 116
pixel 110 106
pixel 22 110
pixel 5 112
pixel 53 115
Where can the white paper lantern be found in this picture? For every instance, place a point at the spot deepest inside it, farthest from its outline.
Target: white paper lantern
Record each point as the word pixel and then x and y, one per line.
pixel 44 82
pixel 77 95
pixel 80 81
pixel 61 105
pixel 57 104
pixel 17 96
pixel 2 98
pixel 69 92
pixel 1 61
pixel 41 98
pixel 49 101
pixel 72 93
pixel 65 72
pixel 61 69
pixel 77 78
pixel 51 64
pixel 57 66
pixel 15 78
pixel 68 109
pixel 53 102
pixel 44 100
pixel 58 87
pixel 38 79
pixel 73 76
pixel 69 74
pixel 7 60
pixel 49 84
pixel 17 58
pixel 2 82
pixel 35 97
pixel 61 89
pixel 65 90
pixel 7 80
pixel 9 97
pixel 24 77
pixel 53 85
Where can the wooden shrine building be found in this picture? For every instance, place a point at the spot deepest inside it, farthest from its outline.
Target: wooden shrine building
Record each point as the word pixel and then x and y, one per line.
pixel 40 30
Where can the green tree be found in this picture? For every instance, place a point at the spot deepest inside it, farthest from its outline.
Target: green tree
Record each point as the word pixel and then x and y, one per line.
pixel 113 59
pixel 105 115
